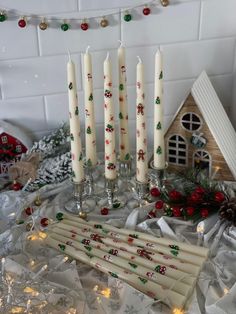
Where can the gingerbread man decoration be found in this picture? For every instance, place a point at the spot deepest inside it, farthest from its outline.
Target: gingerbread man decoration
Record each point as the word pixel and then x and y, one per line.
pixel 140 109
pixel 141 155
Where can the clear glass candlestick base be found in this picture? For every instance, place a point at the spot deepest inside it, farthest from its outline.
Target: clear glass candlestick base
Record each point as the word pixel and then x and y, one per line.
pixel 112 198
pixel 158 177
pixel 79 203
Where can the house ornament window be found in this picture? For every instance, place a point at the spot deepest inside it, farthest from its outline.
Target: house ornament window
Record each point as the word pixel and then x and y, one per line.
pixel 177 150
pixel 191 121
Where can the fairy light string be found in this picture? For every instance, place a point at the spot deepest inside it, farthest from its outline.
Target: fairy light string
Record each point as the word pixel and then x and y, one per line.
pixel 44 20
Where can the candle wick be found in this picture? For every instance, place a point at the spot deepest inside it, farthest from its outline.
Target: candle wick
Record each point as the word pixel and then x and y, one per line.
pixel 108 55
pixel 139 59
pixel 69 55
pixel 121 44
pixel 87 49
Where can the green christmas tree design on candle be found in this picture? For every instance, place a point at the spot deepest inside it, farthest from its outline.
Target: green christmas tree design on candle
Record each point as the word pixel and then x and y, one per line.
pixel 158 101
pixel 89 131
pixel 159 150
pixel 76 110
pixel 121 87
pixel 158 127
pixel 121 116
pixel 90 97
pixel 161 75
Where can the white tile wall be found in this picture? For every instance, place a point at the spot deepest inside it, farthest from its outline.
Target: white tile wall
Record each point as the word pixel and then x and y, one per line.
pixel 193 34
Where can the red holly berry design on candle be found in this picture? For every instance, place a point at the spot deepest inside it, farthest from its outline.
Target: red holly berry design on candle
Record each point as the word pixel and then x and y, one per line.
pixel 113 252
pixel 111 166
pixel 160 269
pixel 107 93
pixel 150 274
pixel 85 241
pixel 109 128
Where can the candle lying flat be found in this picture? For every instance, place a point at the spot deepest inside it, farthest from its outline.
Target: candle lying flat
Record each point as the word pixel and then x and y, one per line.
pixel 158 248
pixel 159 258
pixel 160 268
pixel 200 251
pixel 165 281
pixel 146 286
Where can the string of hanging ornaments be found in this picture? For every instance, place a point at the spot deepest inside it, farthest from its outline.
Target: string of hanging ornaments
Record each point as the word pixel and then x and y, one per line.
pixel 65 24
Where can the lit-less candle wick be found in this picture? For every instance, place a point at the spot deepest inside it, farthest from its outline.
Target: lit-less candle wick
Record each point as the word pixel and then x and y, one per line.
pixel 139 59
pixel 108 56
pixel 87 49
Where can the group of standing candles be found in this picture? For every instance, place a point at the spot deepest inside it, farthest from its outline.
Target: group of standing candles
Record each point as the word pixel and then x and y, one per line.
pixel 109 119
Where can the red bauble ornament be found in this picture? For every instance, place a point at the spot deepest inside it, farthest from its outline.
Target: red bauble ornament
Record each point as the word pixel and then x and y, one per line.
pixel 104 211
pixel 84 26
pixel 29 211
pixel 151 214
pixel 175 195
pixel 176 210
pixel 195 197
pixel 146 11
pixel 159 204
pixel 16 186
pixel 155 192
pixel 44 222
pixel 219 197
pixel 22 23
pixel 199 190
pixel 204 212
pixel 190 210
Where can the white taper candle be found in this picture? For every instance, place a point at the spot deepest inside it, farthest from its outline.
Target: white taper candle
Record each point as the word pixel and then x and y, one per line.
pixel 110 151
pixel 141 133
pixel 123 114
pixel 90 128
pixel 76 146
pixel 159 145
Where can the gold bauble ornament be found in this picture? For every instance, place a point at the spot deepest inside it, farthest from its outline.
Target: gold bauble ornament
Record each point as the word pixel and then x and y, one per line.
pixel 104 22
pixel 82 215
pixel 38 201
pixel 43 25
pixel 165 3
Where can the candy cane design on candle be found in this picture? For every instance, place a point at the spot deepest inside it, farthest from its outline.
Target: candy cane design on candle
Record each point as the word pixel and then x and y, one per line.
pixel 90 128
pixel 159 144
pixel 141 144
pixel 123 115
pixel 110 152
pixel 76 146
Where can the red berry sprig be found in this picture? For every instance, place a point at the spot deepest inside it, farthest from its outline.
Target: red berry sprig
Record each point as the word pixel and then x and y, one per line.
pixel 155 192
pixel 104 211
pixel 146 11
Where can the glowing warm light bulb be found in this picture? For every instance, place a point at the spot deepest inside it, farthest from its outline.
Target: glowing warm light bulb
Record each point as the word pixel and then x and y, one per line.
pixel 106 292
pixel 17 309
pixel 30 290
pixel 178 311
pixel 226 291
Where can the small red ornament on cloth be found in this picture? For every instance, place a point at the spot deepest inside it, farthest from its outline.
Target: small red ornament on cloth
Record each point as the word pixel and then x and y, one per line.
pixel 44 222
pixel 16 186
pixel 155 192
pixel 159 204
pixel 219 197
pixel 104 211
pixel 29 211
pixel 176 210
pixel 204 212
pixel 151 214
pixel 175 195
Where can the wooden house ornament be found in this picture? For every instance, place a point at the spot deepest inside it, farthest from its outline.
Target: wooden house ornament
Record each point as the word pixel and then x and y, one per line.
pixel 201 134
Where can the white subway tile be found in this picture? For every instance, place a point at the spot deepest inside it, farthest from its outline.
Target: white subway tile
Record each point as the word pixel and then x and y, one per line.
pixel 36 76
pixel 56 41
pixel 172 24
pixel 27 113
pixel 16 42
pixel 39 7
pixel 187 60
pixel 218 18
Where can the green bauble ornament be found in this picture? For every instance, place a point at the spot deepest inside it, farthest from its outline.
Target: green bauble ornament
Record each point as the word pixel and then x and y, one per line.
pixel 65 27
pixel 127 17
pixel 3 17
